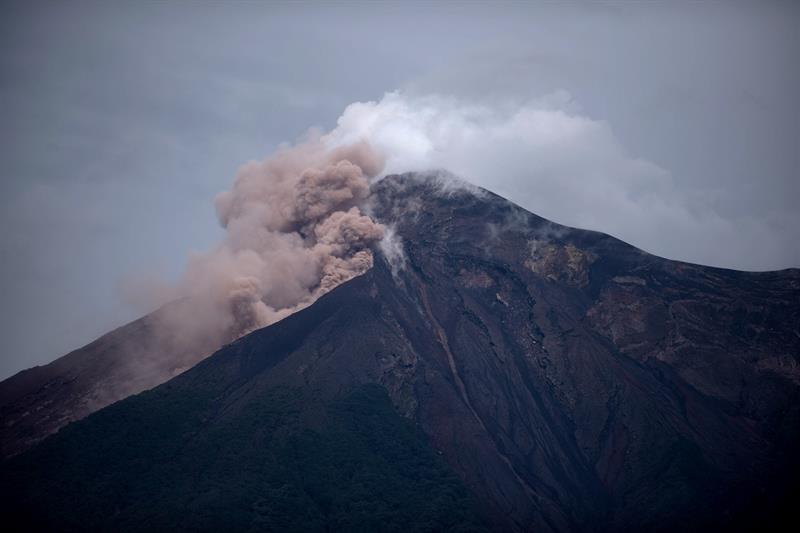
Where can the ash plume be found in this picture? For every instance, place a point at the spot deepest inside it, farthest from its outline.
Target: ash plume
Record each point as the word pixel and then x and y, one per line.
pixel 294 230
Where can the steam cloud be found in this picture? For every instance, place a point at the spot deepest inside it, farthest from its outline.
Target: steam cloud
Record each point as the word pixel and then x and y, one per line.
pixel 550 158
pixel 294 231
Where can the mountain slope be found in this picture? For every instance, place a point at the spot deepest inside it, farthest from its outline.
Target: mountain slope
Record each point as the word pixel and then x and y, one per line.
pixel 284 428
pixel 618 385
pixel 569 380
pixel 39 401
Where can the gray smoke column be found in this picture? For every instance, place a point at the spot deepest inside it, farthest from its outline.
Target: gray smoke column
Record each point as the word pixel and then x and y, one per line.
pixel 294 230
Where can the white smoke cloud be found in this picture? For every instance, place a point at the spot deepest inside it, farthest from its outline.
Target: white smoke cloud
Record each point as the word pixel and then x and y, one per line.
pixel 391 247
pixel 549 158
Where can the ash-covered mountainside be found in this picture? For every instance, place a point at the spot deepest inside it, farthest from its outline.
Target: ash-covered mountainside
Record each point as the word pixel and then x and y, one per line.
pixel 135 357
pixel 553 379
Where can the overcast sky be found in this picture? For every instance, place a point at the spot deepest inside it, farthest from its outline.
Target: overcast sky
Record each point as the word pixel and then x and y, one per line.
pixel 673 126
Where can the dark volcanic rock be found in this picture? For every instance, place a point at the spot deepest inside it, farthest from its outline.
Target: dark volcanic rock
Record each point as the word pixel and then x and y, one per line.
pixel 571 381
pixel 615 388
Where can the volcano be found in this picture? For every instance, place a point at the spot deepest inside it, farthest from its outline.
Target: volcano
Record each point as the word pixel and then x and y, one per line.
pixel 492 371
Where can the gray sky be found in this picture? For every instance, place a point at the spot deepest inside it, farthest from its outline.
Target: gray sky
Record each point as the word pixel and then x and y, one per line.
pixel 121 121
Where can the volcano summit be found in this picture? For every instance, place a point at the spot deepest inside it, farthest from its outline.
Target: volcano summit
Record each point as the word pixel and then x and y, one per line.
pixel 491 370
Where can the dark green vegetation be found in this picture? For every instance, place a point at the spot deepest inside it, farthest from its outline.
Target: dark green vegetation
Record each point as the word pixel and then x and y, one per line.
pixel 161 462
